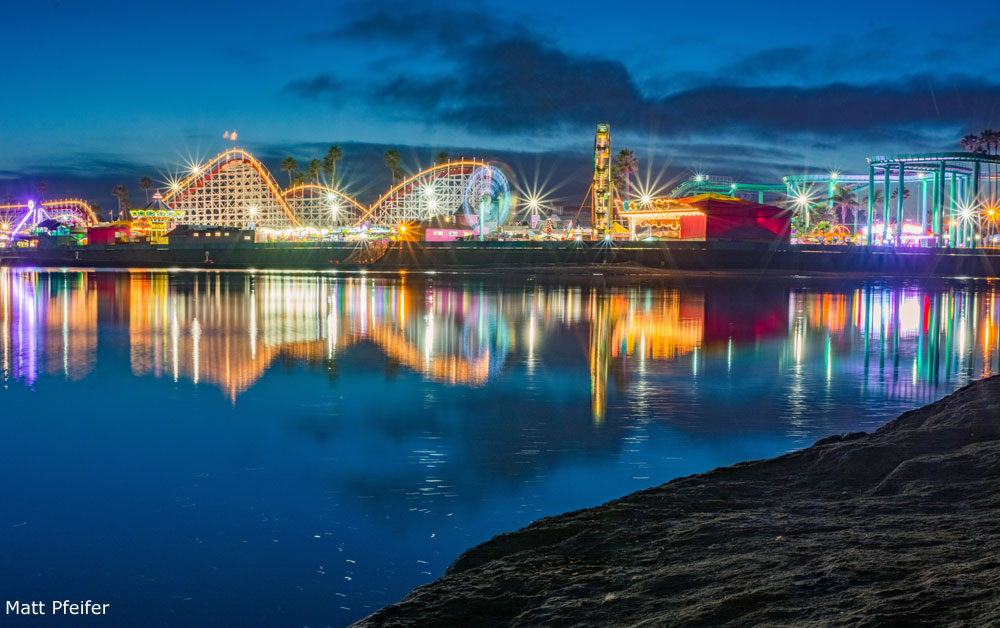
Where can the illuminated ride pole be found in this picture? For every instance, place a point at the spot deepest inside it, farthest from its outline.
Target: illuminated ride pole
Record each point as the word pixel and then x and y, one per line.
pixel 939 202
pixel 871 204
pixel 485 200
pixel 600 219
pixel 830 187
pixel 923 204
pixel 29 215
pixel 974 203
pixel 899 205
pixel 953 226
pixel 885 204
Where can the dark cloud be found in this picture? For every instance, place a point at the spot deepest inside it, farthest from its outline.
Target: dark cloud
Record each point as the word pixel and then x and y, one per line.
pixel 521 85
pixel 316 88
pixel 501 79
pixel 770 61
pixel 839 108
pixel 424 28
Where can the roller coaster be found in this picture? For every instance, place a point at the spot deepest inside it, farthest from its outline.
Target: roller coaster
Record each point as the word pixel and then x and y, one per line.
pixel 235 189
pixel 16 216
pixel 957 197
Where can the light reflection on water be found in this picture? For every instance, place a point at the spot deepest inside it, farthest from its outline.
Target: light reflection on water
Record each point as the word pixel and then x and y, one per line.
pixel 326 442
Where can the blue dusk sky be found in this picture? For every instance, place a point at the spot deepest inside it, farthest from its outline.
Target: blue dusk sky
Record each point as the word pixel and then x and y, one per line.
pixel 98 93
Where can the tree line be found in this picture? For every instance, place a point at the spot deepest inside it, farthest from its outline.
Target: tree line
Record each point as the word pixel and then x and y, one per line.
pixel 326 166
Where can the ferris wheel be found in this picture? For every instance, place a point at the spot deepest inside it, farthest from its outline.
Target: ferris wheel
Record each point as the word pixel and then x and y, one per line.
pixel 486 200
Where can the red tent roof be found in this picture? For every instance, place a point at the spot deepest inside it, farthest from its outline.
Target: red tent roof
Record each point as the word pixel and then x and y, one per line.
pixel 719 204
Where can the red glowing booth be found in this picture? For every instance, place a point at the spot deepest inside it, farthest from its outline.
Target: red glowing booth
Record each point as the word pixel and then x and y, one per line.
pixel 729 218
pixel 707 217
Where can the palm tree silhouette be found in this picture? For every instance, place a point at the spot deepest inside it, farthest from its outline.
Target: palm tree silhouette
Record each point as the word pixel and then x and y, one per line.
pixel 146 184
pixel 877 197
pixel 121 192
pixel 846 199
pixel 289 165
pixel 971 143
pixel 626 164
pixel 333 154
pixel 989 141
pixel 442 158
pixel 392 161
pixel 313 169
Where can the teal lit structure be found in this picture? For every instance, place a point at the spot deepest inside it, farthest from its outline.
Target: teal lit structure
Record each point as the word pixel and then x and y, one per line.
pixel 703 183
pixel 949 184
pixel 954 178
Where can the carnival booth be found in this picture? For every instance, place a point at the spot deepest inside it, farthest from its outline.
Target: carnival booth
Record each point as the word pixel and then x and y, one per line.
pixel 706 217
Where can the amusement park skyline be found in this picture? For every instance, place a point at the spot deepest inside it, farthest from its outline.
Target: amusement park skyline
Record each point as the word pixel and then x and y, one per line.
pixel 760 94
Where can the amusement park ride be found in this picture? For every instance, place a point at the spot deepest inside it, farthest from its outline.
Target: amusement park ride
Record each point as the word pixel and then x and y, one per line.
pixel 602 215
pixel 15 217
pixel 234 189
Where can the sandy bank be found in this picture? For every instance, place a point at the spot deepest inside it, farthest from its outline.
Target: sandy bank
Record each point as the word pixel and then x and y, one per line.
pixel 897 528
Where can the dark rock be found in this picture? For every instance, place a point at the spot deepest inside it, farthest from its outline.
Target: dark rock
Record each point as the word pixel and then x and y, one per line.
pixel 895 528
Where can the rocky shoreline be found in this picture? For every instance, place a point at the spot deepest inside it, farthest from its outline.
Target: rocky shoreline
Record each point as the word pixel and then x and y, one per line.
pixel 896 528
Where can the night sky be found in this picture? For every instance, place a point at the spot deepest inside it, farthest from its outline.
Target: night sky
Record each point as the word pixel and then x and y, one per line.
pixel 103 93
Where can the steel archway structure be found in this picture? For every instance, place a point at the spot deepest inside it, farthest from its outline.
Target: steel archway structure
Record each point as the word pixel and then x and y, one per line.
pixel 322 207
pixel 15 215
pixel 233 189
pixel 703 183
pixel 436 191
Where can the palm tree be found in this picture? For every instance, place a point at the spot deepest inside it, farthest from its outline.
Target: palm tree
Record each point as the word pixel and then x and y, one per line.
pixel 626 164
pixel 442 158
pixel 313 169
pixel 989 141
pixel 330 163
pixel 121 192
pixel 146 184
pixel 971 143
pixel 846 199
pixel 392 161
pixel 617 179
pixel 877 199
pixel 96 208
pixel 298 179
pixel 289 165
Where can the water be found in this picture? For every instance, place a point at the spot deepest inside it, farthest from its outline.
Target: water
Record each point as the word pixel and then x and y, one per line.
pixel 235 449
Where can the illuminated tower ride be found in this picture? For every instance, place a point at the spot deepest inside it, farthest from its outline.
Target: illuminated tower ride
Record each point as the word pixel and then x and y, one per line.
pixel 601 217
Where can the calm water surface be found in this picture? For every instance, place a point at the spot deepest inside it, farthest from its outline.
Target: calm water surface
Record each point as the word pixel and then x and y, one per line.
pixel 238 449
